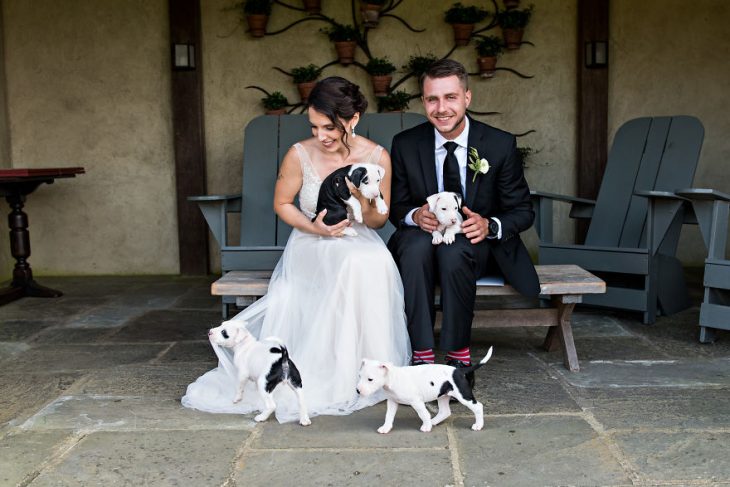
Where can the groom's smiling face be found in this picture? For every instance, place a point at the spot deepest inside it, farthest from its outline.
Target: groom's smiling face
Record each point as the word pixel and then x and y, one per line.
pixel 446 101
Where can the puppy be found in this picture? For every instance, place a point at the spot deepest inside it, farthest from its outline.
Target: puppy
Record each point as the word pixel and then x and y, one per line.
pixel 418 384
pixel 335 196
pixel 445 206
pixel 265 362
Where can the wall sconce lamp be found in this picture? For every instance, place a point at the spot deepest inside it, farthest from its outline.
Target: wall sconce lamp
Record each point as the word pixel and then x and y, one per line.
pixel 596 54
pixel 183 56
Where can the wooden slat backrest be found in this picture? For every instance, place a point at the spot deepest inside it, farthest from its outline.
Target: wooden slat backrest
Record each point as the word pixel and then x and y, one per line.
pixel 659 153
pixel 266 140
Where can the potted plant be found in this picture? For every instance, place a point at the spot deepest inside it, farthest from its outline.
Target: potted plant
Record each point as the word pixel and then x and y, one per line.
pixel 312 6
pixel 305 77
pixel 419 64
pixel 396 101
pixel 510 4
pixel 488 49
pixel 513 23
pixel 380 71
pixel 523 154
pixel 345 38
pixel 275 103
pixel 462 20
pixel 370 12
pixel 257 16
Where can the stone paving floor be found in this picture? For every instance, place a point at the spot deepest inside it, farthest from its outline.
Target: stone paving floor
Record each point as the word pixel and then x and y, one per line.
pixel 90 385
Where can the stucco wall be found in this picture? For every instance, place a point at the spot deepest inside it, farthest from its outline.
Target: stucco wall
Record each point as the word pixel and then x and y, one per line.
pixel 88 85
pixel 670 57
pixel 545 103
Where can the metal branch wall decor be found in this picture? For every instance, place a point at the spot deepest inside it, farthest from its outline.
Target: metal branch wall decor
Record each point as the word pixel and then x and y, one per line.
pixel 469 23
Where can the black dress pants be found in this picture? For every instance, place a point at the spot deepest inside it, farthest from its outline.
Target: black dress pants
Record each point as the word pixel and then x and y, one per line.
pixel 456 268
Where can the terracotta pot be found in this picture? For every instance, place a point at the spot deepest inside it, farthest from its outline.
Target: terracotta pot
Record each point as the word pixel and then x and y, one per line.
pixel 510 4
pixel 312 6
pixel 486 66
pixel 257 24
pixel 370 14
pixel 278 111
pixel 512 37
pixel 462 33
pixel 346 51
pixel 305 89
pixel 381 83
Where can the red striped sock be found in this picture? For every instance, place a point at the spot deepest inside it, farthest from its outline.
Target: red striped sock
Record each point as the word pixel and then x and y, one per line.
pixel 462 355
pixel 424 355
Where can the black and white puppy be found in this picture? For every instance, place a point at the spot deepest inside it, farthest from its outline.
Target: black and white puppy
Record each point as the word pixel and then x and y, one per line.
pixel 446 207
pixel 335 196
pixel 418 384
pixel 265 362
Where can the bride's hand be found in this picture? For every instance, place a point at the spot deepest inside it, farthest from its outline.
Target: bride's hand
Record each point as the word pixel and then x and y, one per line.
pixel 321 228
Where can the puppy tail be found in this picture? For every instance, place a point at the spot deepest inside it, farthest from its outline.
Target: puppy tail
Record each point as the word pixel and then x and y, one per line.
pixel 481 362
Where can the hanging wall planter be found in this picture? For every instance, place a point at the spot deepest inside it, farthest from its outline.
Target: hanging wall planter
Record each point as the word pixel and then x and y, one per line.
pixel 462 20
pixel 305 77
pixel 275 103
pixel 488 48
pixel 513 23
pixel 345 38
pixel 370 12
pixel 510 4
pixel 257 16
pixel 345 51
pixel 380 71
pixel 312 6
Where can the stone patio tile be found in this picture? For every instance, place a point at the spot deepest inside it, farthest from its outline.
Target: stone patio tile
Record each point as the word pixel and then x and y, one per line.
pixel 357 430
pixel 597 324
pixel 650 373
pixel 9 349
pixel 678 457
pixel 603 348
pixel 658 407
pixel 168 326
pixel 200 351
pixel 46 309
pixel 58 335
pixel 535 450
pixel 52 357
pixel 518 384
pixel 21 329
pixel 377 467
pixel 172 458
pixel 127 413
pixel 22 453
pixel 168 381
pixel 105 316
pixel 24 393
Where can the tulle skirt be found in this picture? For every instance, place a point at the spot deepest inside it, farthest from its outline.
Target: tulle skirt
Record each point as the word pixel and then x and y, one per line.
pixel 333 301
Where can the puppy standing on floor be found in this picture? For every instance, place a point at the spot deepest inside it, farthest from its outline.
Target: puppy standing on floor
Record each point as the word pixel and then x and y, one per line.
pixel 445 206
pixel 418 384
pixel 335 196
pixel 265 363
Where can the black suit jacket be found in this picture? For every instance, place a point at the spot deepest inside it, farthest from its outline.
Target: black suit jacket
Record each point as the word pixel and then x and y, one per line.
pixel 502 192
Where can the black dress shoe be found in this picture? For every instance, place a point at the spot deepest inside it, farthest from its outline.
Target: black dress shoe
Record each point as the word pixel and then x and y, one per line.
pixel 460 365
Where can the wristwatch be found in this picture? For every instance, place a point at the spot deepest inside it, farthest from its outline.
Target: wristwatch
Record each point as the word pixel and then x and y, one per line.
pixel 493 227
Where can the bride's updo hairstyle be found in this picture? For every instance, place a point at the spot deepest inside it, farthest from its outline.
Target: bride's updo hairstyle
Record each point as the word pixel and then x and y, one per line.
pixel 337 99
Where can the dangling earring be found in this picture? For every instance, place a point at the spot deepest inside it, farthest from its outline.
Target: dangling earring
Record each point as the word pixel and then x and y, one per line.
pixel 353 132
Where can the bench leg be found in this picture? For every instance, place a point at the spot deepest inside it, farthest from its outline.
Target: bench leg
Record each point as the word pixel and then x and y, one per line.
pixel 561 334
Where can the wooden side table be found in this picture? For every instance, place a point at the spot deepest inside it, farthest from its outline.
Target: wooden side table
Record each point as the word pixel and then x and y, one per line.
pixel 15 186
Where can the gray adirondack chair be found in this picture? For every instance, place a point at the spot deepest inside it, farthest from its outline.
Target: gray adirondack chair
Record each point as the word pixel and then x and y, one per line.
pixel 711 208
pixel 266 140
pixel 636 220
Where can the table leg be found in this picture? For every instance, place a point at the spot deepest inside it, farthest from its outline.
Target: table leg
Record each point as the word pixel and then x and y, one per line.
pixel 22 283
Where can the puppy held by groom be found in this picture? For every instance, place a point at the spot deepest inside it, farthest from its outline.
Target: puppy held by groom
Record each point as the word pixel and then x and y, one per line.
pixel 433 157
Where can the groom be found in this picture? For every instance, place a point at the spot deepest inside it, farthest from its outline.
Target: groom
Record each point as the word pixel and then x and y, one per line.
pixel 433 157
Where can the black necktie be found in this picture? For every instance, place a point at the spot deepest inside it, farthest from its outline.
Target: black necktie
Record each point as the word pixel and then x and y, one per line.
pixel 452 179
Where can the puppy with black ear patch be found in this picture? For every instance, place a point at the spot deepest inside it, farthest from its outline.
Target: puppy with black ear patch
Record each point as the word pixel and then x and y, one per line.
pixel 445 206
pixel 265 362
pixel 335 196
pixel 418 384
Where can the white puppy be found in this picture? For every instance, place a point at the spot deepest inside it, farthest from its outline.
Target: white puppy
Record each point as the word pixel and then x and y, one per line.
pixel 265 363
pixel 445 206
pixel 418 384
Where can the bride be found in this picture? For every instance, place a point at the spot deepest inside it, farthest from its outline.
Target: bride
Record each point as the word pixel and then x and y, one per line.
pixel 332 299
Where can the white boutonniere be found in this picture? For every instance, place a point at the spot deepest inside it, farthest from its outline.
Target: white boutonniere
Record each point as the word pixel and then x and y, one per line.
pixel 477 164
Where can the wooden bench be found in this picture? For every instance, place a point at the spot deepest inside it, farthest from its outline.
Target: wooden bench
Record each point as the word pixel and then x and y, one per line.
pixel 561 286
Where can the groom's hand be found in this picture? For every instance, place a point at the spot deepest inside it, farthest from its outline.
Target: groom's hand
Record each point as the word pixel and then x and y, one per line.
pixel 425 219
pixel 475 226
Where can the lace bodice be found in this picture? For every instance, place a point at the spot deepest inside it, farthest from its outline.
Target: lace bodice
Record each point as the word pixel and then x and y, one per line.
pixel 311 182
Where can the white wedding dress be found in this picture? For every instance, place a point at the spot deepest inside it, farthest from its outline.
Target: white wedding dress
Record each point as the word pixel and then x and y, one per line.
pixel 333 301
